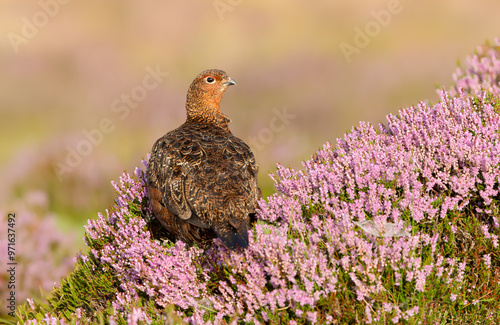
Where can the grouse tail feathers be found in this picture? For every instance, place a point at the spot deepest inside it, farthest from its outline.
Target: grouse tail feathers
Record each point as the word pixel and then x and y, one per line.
pixel 233 233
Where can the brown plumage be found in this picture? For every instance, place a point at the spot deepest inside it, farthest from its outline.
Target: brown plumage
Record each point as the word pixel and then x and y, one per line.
pixel 202 180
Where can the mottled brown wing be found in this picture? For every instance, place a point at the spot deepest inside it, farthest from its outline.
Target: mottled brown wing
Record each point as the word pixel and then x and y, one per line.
pixel 167 174
pixel 167 199
pixel 223 190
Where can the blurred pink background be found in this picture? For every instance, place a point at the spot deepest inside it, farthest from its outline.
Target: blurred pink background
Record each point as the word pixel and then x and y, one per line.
pixel 80 103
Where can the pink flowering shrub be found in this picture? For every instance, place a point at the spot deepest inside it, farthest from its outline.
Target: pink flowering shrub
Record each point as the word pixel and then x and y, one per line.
pixel 481 71
pixel 391 225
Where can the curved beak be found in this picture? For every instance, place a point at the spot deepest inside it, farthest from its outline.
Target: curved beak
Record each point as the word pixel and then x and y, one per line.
pixel 230 82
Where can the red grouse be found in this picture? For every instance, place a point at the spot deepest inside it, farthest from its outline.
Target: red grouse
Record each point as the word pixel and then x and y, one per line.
pixel 202 180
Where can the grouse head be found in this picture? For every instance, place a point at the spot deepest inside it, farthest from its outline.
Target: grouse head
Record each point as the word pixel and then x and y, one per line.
pixel 205 93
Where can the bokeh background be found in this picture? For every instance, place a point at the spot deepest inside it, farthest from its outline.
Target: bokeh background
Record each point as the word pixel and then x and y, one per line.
pixel 70 67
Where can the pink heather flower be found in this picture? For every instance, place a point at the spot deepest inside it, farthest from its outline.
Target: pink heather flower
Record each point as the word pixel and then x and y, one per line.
pixel 312 317
pixel 461 270
pixel 480 72
pixel 368 314
pixel 453 297
pixel 495 223
pixel 78 313
pixel 52 320
pixel 31 303
pixel 494 240
pixel 134 316
pixel 486 231
pixel 487 260
pixel 411 312
pixel 397 278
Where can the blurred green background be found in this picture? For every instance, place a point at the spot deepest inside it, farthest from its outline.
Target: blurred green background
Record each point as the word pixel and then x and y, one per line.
pixel 67 67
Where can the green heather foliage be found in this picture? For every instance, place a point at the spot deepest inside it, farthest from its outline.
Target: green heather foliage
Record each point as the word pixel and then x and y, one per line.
pixel 396 225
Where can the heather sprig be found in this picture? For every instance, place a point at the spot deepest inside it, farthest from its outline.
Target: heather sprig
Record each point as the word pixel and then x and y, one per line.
pixel 395 224
pixel 480 72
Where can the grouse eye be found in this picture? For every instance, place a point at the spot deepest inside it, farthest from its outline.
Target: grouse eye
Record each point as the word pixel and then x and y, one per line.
pixel 210 80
